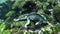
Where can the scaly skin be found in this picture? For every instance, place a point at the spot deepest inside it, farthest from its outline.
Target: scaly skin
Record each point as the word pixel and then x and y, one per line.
pixel 38 19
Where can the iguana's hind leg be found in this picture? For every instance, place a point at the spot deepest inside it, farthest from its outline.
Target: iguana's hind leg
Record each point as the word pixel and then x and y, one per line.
pixel 28 22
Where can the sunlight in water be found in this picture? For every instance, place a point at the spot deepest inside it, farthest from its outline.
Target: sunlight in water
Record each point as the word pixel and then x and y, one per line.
pixel 2 1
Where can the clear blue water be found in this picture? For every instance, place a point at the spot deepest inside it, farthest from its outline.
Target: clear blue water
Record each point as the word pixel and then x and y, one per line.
pixel 2 1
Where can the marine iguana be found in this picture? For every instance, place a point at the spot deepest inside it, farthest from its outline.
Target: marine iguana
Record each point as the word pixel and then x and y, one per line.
pixel 36 18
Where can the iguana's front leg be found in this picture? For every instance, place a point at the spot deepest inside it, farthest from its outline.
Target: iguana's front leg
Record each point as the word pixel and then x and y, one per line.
pixel 28 22
pixel 39 22
pixel 36 23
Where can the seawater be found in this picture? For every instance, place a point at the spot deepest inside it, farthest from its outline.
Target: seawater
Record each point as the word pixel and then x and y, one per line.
pixel 2 1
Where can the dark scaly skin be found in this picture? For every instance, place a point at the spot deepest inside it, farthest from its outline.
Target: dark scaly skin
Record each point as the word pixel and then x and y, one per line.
pixel 36 18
